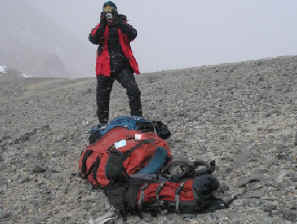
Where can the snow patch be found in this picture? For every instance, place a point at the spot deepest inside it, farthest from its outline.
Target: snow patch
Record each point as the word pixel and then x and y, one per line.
pixel 3 69
pixel 26 76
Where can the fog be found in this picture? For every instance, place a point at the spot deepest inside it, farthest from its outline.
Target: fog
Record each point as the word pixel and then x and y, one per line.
pixel 178 34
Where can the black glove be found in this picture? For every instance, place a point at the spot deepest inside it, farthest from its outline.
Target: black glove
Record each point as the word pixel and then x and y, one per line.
pixel 116 21
pixel 102 18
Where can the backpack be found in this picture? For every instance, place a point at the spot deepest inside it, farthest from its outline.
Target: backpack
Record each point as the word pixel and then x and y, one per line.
pixel 153 195
pixel 132 163
pixel 119 153
pixel 131 123
pixel 178 187
pixel 188 196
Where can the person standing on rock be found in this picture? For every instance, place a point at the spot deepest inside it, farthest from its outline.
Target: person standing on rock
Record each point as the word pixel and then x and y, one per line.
pixel 115 60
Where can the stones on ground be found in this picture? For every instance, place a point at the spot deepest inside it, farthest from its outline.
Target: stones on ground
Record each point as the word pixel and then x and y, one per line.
pixel 38 169
pixel 4 216
pixel 3 185
pixel 290 215
pixel 25 180
pixel 242 115
pixel 244 181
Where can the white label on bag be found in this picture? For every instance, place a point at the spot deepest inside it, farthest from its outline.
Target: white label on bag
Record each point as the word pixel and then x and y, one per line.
pixel 138 136
pixel 120 144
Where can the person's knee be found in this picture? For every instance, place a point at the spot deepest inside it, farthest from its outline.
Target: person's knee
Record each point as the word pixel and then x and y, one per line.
pixel 103 92
pixel 134 92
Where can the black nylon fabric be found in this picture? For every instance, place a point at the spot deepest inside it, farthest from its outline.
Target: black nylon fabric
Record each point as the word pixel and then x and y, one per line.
pixel 131 194
pixel 103 91
pixel 114 169
pixel 95 168
pixel 116 196
pixel 162 129
pixel 203 186
pixel 84 161
pixel 118 60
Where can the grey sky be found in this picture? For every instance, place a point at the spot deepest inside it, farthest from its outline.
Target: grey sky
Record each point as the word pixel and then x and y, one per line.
pixel 177 34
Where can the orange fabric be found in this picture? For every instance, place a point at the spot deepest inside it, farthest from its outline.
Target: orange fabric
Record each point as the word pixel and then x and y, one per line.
pixel 168 192
pixel 137 160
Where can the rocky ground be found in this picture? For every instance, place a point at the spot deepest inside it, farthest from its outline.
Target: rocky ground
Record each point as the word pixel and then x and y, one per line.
pixel 243 115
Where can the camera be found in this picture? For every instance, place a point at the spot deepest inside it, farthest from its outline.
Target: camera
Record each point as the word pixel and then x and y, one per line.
pixel 108 16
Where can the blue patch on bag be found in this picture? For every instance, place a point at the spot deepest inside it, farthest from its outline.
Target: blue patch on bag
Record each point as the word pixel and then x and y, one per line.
pixel 129 122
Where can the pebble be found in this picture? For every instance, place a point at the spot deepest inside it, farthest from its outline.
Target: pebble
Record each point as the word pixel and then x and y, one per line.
pixel 233 111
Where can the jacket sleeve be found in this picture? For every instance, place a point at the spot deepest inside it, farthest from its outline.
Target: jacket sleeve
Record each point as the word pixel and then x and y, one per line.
pixel 97 34
pixel 129 30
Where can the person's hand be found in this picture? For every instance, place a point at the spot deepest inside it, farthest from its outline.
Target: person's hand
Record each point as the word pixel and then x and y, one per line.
pixel 102 18
pixel 116 21
pixel 109 18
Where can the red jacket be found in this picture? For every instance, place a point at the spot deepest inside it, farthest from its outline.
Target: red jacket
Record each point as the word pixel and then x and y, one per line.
pixel 103 58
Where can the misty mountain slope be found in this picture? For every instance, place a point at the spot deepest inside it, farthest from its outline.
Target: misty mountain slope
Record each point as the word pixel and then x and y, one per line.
pixel 243 115
pixel 31 42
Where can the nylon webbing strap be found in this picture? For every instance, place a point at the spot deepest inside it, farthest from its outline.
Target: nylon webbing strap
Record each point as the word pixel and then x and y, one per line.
pixel 142 142
pixel 130 137
pixel 177 196
pixel 112 148
pixel 159 189
pixel 141 197
pixel 95 168
pixel 84 161
pixel 209 168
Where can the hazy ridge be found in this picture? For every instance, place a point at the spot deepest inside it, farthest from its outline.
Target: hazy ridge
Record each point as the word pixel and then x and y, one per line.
pixel 32 43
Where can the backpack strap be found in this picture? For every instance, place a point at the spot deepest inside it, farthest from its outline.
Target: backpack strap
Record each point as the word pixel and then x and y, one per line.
pixel 141 197
pixel 142 142
pixel 177 196
pixel 119 143
pixel 95 167
pixel 161 129
pixel 146 126
pixel 84 163
pixel 126 154
pixel 179 169
pixel 159 189
pixel 209 167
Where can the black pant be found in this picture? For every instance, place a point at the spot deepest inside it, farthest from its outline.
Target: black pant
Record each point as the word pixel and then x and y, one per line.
pixel 104 87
